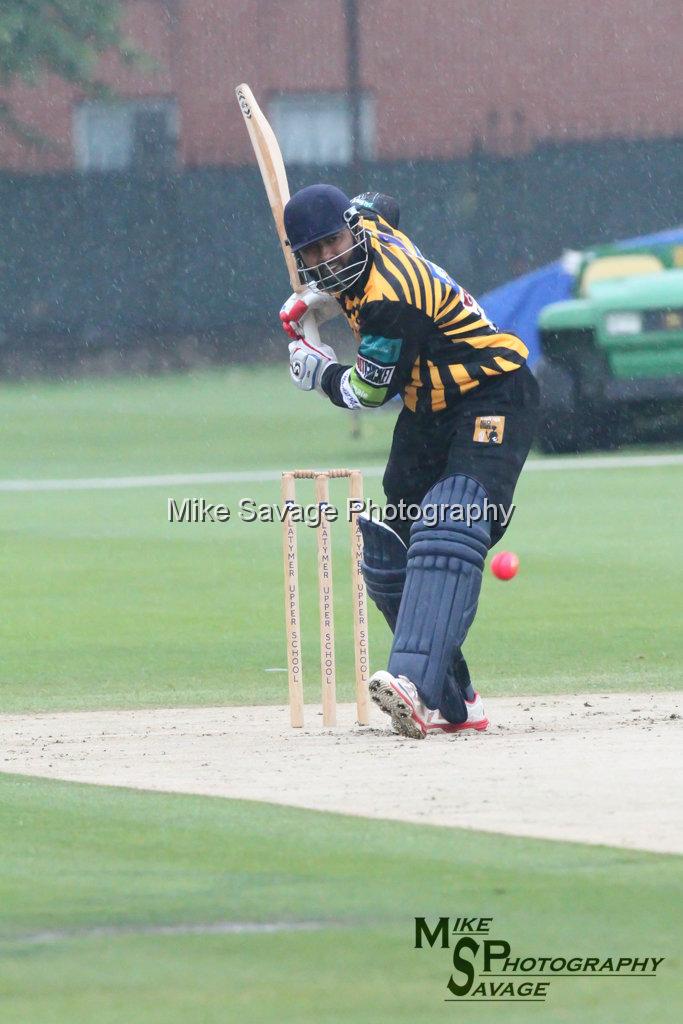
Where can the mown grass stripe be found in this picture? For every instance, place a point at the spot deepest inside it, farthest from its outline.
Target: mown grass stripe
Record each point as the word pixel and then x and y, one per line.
pixel 105 483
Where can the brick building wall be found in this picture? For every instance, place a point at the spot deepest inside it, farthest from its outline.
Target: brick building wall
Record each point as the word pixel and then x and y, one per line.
pixel 444 74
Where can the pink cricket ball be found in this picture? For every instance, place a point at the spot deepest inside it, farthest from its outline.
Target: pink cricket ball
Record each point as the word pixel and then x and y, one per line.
pixel 504 565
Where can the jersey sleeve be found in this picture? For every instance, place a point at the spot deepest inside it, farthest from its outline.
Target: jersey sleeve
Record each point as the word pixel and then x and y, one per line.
pixel 390 335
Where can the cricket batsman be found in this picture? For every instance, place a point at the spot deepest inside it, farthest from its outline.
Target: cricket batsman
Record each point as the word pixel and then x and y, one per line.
pixel 461 439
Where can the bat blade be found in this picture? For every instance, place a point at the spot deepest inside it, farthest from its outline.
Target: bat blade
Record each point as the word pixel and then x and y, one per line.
pixel 272 167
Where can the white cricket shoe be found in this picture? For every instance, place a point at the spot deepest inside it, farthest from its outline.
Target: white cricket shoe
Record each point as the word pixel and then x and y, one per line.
pixel 476 718
pixel 398 697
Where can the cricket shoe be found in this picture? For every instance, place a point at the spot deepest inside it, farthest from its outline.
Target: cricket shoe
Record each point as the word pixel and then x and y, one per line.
pixel 398 697
pixel 476 718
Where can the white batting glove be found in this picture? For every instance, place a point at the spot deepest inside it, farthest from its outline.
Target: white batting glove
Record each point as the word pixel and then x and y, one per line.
pixel 319 305
pixel 307 364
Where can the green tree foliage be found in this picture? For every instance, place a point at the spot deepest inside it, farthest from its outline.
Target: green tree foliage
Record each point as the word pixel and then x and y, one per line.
pixel 61 37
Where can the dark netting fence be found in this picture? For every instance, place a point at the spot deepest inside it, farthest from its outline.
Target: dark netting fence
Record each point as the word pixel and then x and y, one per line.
pixel 111 263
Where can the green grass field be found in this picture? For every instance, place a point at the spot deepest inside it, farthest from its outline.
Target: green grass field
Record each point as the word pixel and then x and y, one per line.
pixel 106 604
pixel 117 607
pixel 77 857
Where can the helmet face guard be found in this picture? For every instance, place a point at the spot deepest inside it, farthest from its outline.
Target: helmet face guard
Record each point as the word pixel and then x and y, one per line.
pixel 330 280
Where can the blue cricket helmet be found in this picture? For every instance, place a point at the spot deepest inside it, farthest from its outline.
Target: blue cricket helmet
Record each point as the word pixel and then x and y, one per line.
pixel 313 213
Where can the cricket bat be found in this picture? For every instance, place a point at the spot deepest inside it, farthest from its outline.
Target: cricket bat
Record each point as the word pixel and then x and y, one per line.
pixel 274 176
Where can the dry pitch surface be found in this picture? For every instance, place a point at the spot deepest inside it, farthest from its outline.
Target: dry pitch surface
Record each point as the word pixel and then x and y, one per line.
pixel 599 768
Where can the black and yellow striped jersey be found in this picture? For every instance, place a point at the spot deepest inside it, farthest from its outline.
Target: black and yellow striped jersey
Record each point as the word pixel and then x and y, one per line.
pixel 420 334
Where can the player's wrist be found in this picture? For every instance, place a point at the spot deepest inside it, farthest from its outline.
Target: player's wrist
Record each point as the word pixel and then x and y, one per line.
pixel 326 377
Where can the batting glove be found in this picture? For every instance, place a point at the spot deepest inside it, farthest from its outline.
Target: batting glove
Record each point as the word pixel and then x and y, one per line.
pixel 322 307
pixel 307 364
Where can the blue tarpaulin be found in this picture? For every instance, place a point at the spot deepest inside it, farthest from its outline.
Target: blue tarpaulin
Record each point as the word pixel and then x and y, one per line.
pixel 515 306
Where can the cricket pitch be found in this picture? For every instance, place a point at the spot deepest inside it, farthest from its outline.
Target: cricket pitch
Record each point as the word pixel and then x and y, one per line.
pixel 596 768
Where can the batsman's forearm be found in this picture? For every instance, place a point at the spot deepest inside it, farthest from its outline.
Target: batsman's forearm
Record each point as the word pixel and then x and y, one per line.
pixel 331 384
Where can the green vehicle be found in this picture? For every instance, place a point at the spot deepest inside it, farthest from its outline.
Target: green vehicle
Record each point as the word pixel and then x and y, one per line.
pixel 611 366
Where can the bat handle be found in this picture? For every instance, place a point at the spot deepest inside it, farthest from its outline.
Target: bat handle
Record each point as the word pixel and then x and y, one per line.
pixel 311 329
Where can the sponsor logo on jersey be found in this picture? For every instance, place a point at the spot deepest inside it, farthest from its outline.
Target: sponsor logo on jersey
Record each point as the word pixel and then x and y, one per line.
pixel 373 373
pixel 489 429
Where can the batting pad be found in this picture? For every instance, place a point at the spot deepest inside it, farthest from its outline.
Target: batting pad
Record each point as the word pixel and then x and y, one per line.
pixel 385 557
pixel 443 580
